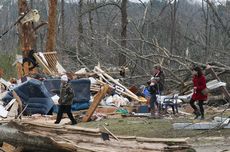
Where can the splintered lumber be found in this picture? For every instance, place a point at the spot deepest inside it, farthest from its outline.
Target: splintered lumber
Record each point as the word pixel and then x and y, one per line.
pixel 96 100
pixel 10 104
pixel 19 101
pixel 117 83
pixel 13 110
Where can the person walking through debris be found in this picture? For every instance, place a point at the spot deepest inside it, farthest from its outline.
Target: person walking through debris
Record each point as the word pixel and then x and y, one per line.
pixel 65 101
pixel 199 83
pixel 156 86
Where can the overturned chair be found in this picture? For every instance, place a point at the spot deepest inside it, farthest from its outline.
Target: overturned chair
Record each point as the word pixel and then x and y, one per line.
pixel 171 101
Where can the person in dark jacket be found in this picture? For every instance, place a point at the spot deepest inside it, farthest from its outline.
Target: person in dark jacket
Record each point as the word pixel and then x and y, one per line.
pixel 199 83
pixel 152 88
pixel 159 77
pixel 65 101
pixel 156 87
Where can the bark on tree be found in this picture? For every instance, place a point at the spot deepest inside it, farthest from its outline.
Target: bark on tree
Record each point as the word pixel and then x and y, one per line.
pixel 173 6
pixel 124 23
pixel 51 37
pixel 80 27
pixel 63 24
pixel 26 36
pixel 206 35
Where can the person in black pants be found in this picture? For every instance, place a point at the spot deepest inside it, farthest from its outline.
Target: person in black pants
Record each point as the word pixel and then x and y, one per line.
pixel 65 101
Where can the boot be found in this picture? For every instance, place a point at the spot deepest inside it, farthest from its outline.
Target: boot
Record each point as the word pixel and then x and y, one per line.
pixel 197 114
pixel 74 123
pixel 202 117
pixel 152 112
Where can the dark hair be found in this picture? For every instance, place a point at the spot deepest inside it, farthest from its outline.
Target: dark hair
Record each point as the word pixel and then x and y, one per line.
pixel 198 70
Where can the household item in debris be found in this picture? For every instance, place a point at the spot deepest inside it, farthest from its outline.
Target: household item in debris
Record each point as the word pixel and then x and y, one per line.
pixel 143 109
pixel 81 89
pixel 34 94
pixel 170 101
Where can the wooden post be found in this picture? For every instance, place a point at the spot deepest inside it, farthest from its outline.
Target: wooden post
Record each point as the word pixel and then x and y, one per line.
pixel 96 101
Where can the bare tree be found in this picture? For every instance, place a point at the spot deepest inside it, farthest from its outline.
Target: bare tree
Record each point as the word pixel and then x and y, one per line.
pixel 51 37
pixel 124 23
pixel 26 37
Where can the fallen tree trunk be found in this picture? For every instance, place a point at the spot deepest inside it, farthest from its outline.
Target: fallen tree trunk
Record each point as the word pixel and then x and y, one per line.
pixel 39 138
pixel 17 136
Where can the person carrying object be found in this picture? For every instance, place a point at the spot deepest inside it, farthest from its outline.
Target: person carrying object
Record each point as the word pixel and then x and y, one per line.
pixel 159 77
pixel 199 84
pixel 152 88
pixel 65 100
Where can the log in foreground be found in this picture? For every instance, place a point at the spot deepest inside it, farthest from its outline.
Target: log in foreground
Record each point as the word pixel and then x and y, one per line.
pixel 32 137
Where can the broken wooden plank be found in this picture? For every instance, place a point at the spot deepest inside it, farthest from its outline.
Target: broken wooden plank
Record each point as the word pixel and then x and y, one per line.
pixel 19 101
pixel 13 110
pixel 10 104
pixel 110 133
pixel 116 82
pixel 96 101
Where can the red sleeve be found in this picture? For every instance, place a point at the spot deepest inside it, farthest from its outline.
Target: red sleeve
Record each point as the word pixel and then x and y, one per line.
pixel 201 83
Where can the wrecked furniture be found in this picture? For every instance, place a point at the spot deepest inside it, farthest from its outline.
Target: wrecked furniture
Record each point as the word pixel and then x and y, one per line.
pixel 81 89
pixel 34 94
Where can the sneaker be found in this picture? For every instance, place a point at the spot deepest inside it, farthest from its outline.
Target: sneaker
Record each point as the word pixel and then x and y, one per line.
pixel 56 122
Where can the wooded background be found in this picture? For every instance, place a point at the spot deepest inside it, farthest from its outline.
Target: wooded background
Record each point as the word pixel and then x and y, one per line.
pixel 173 33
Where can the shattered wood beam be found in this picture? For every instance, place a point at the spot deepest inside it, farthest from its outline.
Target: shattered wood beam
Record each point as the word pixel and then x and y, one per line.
pixel 117 83
pixel 96 100
pixel 19 101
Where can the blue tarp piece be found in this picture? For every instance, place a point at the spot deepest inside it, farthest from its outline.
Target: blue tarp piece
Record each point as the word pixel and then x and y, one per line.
pixel 34 93
pixel 75 106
